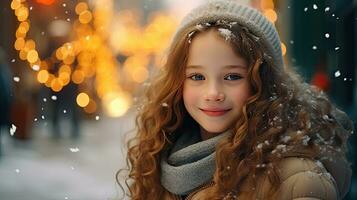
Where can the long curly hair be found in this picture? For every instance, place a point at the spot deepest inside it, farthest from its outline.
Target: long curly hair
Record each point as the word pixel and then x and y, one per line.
pixel 283 117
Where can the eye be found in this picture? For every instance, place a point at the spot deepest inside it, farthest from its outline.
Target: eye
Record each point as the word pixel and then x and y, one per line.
pixel 196 77
pixel 232 77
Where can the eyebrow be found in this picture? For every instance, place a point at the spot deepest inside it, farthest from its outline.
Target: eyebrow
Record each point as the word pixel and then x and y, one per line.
pixel 225 67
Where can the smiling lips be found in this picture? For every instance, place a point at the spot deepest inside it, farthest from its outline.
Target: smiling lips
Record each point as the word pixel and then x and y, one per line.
pixel 214 112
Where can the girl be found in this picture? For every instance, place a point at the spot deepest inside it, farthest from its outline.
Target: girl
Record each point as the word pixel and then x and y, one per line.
pixel 226 120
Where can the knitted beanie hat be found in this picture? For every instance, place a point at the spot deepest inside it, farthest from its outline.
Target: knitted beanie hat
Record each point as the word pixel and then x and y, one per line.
pixel 232 11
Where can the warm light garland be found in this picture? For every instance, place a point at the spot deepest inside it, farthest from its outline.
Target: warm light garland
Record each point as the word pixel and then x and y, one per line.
pixel 89 57
pixel 84 49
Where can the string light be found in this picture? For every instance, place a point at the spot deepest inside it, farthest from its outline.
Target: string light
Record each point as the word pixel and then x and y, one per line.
pixel 90 55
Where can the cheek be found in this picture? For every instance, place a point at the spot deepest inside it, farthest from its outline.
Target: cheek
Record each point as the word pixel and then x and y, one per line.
pixel 190 94
pixel 241 95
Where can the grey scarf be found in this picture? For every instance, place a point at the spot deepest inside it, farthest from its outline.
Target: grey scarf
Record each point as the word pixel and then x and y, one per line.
pixel 189 163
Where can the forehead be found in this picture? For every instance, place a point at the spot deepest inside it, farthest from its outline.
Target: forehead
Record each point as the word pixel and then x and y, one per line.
pixel 210 48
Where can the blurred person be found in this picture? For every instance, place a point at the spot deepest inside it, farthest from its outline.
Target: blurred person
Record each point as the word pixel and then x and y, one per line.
pixel 5 94
pixel 225 119
pixel 320 78
pixel 64 108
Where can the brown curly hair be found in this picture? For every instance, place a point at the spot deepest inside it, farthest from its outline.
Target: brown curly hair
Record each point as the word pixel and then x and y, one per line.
pixel 283 117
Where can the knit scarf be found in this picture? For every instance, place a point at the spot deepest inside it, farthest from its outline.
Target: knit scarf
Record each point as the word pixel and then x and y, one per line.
pixel 189 163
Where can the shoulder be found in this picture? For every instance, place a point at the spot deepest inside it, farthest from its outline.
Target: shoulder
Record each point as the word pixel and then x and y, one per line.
pixel 303 178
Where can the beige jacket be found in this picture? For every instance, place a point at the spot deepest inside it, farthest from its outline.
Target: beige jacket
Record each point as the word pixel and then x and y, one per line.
pixel 302 179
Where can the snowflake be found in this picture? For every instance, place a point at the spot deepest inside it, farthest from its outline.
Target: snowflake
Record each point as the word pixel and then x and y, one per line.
pixel 74 150
pixel 12 129
pixel 226 33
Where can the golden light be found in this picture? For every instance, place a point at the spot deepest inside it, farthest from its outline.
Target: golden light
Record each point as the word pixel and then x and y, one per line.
pixel 22 30
pixel 89 54
pixel 19 43
pixel 56 84
pixel 65 68
pixel 23 54
pixel 80 7
pixel 85 17
pixel 42 76
pixel 65 78
pixel 22 14
pixel 82 99
pixel 78 76
pixel 116 104
pixel 69 60
pixel 19 34
pixel 15 4
pixel 59 54
pixel 51 77
pixel 30 44
pixel 25 25
pixel 271 15
pixel 32 56
pixel 283 48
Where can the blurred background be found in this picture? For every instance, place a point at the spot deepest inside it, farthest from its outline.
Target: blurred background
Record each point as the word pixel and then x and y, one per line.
pixel 72 73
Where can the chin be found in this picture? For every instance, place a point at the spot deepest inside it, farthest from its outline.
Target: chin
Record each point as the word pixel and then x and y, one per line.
pixel 214 129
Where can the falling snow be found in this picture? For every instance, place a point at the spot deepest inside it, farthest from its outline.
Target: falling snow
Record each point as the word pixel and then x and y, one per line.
pixel 42 117
pixel 54 97
pixel 12 129
pixel 305 9
pixel 260 145
pixel 314 6
pixel 286 139
pixel 64 5
pixel 305 140
pixel 64 111
pixel 226 33
pixel 190 36
pixel 31 7
pixel 337 48
pixel 291 41
pixel 337 73
pixel 327 9
pixel 17 170
pixel 44 100
pixel 327 35
pixel 165 105
pixel 97 117
pixel 199 27
pixel 42 33
pixel 35 119
pixel 74 150
pixel 35 67
pixel 13 60
pixel 16 79
pixel 314 47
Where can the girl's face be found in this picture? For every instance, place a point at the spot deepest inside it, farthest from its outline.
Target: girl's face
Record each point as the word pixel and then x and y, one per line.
pixel 216 85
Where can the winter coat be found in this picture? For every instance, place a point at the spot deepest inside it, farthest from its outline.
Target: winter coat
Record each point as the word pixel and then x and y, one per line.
pixel 302 179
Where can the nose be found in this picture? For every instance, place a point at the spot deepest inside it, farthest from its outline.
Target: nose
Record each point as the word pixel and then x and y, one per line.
pixel 213 93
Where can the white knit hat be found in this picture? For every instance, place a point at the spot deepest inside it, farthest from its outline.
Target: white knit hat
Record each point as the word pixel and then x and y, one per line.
pixel 232 11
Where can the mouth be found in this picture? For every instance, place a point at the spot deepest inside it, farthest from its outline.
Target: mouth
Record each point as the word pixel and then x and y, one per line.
pixel 215 112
